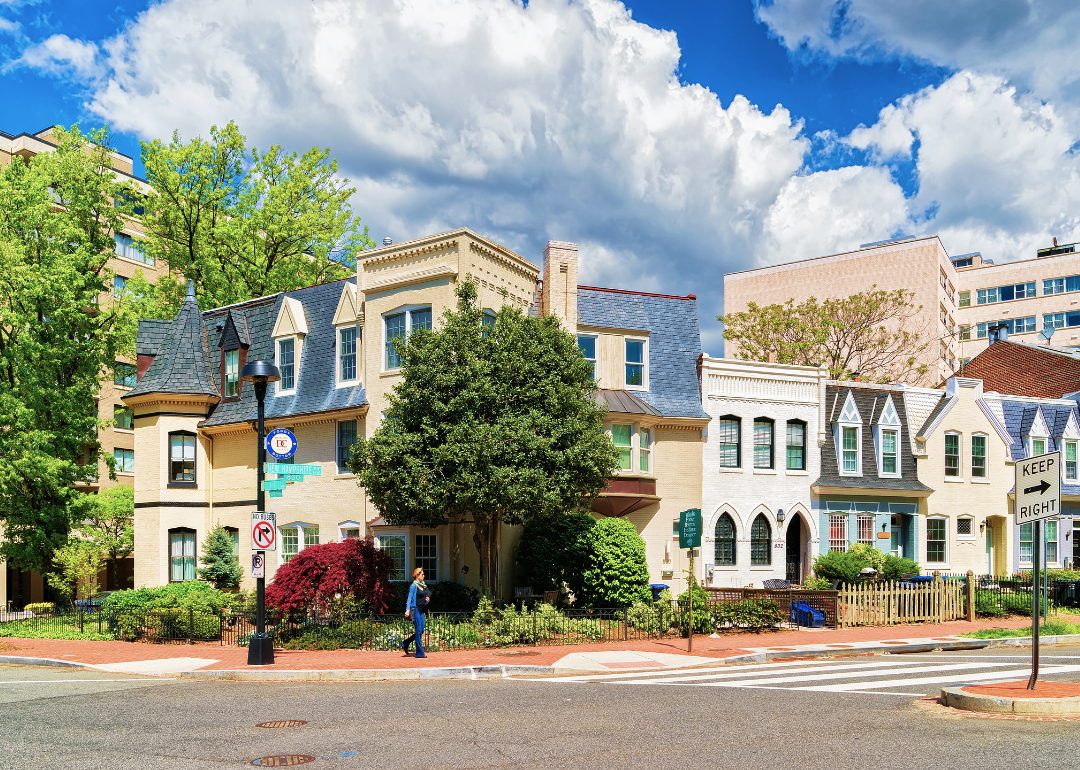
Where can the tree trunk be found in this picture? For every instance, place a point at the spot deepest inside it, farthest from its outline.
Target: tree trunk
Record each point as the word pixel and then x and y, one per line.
pixel 484 534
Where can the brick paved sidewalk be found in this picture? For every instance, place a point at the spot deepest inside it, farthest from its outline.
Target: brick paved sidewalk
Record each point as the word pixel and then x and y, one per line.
pixel 705 646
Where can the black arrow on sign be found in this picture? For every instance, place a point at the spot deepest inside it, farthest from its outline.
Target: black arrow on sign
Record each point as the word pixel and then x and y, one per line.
pixel 1041 488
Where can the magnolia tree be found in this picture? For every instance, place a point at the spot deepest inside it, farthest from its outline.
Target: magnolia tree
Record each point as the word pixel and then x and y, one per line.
pixel 321 578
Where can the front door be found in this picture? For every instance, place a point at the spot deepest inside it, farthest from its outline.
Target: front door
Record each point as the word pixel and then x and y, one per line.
pixel 794 551
pixel 896 545
pixel 989 550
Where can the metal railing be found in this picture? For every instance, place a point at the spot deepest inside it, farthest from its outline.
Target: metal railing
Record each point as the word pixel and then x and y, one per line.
pixel 161 626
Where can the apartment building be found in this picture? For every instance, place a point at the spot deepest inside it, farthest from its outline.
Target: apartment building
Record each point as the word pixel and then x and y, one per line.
pixel 962 298
pixel 118 440
pixel 919 265
pixel 195 444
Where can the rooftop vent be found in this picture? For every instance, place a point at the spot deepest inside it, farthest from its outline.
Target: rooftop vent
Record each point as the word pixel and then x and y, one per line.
pixel 1054 250
pixel 387 241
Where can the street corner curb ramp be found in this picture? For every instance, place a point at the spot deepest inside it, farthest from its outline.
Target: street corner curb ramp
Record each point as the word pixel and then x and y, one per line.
pixel 368 674
pixel 16 660
pixel 960 699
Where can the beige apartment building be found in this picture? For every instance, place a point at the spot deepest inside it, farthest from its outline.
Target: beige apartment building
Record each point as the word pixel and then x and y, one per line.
pixel 195 445
pixel 118 440
pixel 961 298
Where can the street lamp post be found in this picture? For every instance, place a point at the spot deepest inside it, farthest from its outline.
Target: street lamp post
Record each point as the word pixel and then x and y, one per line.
pixel 260 374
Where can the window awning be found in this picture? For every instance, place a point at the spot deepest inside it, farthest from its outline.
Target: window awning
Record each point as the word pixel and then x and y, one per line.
pixel 625 495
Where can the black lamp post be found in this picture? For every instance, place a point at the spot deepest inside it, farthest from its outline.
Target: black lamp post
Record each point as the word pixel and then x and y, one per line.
pixel 259 374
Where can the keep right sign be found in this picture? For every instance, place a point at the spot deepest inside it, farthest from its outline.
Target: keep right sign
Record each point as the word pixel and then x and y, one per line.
pixel 1038 487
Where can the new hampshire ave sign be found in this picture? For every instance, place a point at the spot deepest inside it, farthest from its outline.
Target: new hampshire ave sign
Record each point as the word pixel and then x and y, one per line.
pixel 1038 487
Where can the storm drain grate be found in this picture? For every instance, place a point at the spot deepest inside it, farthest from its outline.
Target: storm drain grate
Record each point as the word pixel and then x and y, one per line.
pixel 282 723
pixel 283 760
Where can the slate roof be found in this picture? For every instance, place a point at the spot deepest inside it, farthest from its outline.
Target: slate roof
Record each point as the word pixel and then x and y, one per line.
pixel 185 368
pixel 1019 369
pixel 943 405
pixel 674 343
pixel 1020 416
pixel 870 402
pixel 151 335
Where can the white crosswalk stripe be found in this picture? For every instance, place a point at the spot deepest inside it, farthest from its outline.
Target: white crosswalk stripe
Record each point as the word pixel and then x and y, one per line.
pixel 868 677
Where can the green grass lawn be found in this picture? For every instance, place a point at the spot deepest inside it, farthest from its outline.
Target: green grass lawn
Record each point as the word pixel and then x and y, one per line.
pixel 1050 628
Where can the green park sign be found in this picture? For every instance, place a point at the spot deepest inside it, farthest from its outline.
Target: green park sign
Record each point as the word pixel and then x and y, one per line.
pixel 690 529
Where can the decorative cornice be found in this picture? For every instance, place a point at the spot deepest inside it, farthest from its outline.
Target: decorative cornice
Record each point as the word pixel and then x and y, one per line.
pixel 512 264
pixel 171 399
pixel 395 256
pixel 405 278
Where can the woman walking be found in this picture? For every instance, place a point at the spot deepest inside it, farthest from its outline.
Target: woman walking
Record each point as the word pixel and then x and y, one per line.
pixel 416 605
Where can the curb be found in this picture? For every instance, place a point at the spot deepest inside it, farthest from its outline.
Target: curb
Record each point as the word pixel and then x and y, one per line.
pixel 1025 641
pixel 955 697
pixel 19 661
pixel 369 674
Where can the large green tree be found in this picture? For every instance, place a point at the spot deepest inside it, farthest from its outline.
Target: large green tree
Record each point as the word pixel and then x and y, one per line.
pixel 875 332
pixel 489 425
pixel 243 223
pixel 56 223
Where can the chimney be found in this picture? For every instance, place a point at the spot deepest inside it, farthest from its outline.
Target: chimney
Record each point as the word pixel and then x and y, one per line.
pixel 558 297
pixel 998 331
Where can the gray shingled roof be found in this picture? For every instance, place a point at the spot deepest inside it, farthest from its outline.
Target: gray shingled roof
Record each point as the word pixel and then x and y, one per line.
pixel 151 334
pixel 865 402
pixel 184 368
pixel 1020 416
pixel 674 343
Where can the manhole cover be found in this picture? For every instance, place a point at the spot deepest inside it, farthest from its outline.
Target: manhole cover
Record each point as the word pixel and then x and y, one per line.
pixel 516 653
pixel 283 760
pixel 283 723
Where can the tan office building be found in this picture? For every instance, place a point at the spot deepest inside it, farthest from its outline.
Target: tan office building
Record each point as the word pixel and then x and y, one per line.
pixel 118 440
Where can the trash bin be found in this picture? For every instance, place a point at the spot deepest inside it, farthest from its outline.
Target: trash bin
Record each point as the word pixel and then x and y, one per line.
pixel 656 589
pixel 1065 592
pixel 806 616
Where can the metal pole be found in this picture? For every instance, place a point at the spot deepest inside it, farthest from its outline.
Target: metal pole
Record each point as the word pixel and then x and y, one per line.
pixel 260 649
pixel 693 585
pixel 1035 542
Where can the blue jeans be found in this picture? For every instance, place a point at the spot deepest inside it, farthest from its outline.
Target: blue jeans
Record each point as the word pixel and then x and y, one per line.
pixel 418 634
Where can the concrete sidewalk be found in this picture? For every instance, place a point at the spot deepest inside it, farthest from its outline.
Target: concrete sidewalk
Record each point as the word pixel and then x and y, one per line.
pixel 215 661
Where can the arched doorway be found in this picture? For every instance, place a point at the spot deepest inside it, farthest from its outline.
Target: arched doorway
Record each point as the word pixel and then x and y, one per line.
pixel 794 552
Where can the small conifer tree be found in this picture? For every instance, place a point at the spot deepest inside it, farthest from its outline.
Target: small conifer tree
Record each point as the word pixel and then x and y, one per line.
pixel 222 567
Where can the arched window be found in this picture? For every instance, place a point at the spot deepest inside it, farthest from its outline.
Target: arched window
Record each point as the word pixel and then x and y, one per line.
pixel 760 541
pixel 724 552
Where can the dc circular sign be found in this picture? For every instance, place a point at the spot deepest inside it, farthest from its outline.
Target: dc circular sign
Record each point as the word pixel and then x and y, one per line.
pixel 281 443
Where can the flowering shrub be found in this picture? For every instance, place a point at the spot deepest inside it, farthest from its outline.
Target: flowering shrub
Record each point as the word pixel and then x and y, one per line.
pixel 322 578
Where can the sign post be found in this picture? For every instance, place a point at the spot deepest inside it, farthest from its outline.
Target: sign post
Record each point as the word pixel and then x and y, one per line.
pixel 690 537
pixel 1038 497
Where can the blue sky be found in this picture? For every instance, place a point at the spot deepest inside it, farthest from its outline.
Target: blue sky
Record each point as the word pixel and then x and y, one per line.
pixel 674 141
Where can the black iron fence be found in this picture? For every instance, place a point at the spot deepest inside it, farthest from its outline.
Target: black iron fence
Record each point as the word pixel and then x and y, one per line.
pixel 163 626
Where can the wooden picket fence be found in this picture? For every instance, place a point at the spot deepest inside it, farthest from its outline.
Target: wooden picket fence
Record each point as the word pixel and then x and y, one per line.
pixel 888 603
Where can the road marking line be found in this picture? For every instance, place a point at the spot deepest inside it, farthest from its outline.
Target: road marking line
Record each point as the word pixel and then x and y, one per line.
pixel 866 669
pixel 1001 676
pixel 632 674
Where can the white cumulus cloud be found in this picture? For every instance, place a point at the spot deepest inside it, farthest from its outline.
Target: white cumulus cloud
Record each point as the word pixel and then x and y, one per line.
pixel 61 55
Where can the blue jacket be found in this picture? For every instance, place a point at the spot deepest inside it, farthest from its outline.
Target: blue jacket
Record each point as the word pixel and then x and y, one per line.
pixel 410 603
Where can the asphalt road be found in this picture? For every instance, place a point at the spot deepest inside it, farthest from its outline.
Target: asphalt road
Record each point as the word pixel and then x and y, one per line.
pixel 115 721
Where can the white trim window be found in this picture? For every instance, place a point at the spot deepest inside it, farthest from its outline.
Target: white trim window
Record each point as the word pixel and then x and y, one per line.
pixel 402 323
pixel 965 528
pixel 286 364
pixel 635 446
pixel 347 353
pixel 637 363
pixel 978 456
pixel 728 436
pixel 1070 461
pixel 1027 542
pixel 1037 445
pixel 1050 535
pixel 848 438
pixel 644 450
pixel 866 528
pixel 296 537
pixel 887 441
pixel 395 545
pixel 426 555
pixel 763 443
pixel 952 455
pixel 232 373
pixel 937 535
pixel 588 344
pixel 350 529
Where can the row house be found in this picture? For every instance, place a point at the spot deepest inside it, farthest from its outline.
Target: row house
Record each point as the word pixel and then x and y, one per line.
pixel 193 420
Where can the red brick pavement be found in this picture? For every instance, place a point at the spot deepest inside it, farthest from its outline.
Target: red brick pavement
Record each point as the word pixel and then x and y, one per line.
pixel 1020 690
pixel 233 657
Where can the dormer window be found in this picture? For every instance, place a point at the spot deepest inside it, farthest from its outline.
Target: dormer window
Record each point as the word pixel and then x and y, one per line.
pixel 848 437
pixel 636 375
pixel 232 373
pixel 1038 446
pixel 347 354
pixel 887 439
pixel 286 363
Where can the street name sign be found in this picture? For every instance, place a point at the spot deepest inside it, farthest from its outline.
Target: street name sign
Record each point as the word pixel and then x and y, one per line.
pixel 273 484
pixel 263 531
pixel 258 565
pixel 690 528
pixel 1038 487
pixel 290 469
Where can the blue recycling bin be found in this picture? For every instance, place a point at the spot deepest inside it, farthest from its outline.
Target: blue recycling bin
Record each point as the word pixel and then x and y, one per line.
pixel 656 589
pixel 806 616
